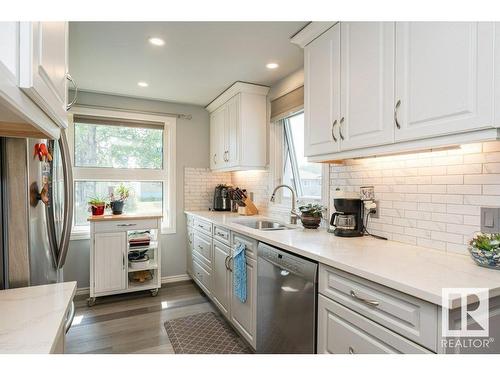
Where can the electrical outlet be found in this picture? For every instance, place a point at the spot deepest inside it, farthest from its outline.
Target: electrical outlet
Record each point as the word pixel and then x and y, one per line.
pixel 375 212
pixel 490 219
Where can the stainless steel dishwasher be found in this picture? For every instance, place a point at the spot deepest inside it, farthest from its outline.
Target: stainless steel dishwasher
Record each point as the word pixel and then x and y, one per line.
pixel 286 302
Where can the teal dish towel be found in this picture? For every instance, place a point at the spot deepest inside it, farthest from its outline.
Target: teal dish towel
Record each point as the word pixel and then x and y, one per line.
pixel 240 273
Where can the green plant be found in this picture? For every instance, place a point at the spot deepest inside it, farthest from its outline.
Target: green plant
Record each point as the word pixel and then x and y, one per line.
pixel 315 210
pixel 96 201
pixel 120 194
pixel 486 242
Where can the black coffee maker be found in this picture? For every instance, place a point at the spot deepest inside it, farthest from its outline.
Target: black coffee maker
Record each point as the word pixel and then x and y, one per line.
pixel 347 221
pixel 222 200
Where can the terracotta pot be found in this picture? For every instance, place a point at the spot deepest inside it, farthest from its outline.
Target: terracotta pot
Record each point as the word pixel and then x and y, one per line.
pixel 98 210
pixel 310 222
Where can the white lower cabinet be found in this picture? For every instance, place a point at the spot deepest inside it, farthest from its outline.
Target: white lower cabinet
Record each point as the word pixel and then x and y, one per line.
pixel 222 281
pixel 244 314
pixel 342 331
pixel 210 258
pixel 109 261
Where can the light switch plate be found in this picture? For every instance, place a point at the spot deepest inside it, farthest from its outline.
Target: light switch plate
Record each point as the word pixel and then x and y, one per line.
pixel 490 217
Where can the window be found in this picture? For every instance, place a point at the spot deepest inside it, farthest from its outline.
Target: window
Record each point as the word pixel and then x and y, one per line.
pixel 138 150
pixel 303 176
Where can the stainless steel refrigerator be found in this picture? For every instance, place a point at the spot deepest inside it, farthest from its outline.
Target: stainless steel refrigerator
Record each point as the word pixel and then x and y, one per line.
pixel 36 211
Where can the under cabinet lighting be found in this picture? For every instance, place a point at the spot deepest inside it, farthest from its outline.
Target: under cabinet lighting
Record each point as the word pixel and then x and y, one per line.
pixel 142 84
pixel 156 41
pixel 272 66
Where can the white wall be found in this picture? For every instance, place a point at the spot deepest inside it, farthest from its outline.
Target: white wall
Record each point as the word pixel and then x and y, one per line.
pixel 192 151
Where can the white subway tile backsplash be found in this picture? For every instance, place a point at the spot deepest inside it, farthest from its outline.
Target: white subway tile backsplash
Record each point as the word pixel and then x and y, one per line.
pixel 430 198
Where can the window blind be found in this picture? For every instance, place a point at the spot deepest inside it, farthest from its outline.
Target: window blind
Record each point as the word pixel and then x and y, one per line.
pixel 287 104
pixel 108 121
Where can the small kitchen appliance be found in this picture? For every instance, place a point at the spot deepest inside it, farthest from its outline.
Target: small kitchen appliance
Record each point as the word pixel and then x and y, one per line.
pixel 222 200
pixel 347 220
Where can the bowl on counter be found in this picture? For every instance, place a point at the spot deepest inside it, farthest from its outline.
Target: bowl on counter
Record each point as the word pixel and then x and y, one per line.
pixel 484 249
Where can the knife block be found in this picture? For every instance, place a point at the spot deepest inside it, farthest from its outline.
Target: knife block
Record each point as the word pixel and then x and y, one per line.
pixel 249 208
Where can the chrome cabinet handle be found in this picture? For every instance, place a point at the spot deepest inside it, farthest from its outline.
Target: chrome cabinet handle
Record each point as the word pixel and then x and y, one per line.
pixel 340 128
pixel 75 86
pixel 396 114
pixel 126 225
pixel 123 261
pixel 229 263
pixel 226 156
pixel 225 262
pixel 333 131
pixel 364 300
pixel 215 158
pixel 351 350
pixel 200 247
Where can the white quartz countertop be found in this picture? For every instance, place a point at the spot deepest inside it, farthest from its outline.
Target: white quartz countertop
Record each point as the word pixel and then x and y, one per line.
pixel 418 271
pixel 32 317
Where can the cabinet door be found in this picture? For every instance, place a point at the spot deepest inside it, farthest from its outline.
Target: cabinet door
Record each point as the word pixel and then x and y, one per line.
pixel 367 84
pixel 342 331
pixel 9 48
pixel 109 261
pixel 322 93
pixel 217 137
pixel 189 250
pixel 444 75
pixel 221 281
pixel 43 63
pixel 244 315
pixel 231 131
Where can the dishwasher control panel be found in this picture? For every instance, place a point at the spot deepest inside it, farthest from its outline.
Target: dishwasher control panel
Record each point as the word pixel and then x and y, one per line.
pixel 287 261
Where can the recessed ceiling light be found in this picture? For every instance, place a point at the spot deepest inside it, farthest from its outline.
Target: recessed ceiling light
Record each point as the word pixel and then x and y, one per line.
pixel 142 84
pixel 271 66
pixel 156 41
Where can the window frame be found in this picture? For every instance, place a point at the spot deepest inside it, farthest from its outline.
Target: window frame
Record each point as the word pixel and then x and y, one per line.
pixel 166 175
pixel 278 136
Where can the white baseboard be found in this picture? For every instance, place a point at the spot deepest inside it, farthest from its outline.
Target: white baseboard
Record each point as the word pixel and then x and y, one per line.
pixel 164 280
pixel 82 291
pixel 175 278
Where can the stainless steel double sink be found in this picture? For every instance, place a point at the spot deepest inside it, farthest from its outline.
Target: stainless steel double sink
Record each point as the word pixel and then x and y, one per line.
pixel 263 224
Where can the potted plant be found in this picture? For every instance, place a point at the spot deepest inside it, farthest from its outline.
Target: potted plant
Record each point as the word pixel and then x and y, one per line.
pixel 311 215
pixel 118 197
pixel 485 250
pixel 97 205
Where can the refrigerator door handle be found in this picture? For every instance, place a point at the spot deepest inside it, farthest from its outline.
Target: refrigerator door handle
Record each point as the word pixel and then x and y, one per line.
pixel 68 199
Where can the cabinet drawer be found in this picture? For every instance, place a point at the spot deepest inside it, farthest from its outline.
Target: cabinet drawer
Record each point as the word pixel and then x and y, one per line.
pixel 190 220
pixel 124 225
pixel 404 314
pixel 342 331
pixel 203 247
pixel 202 277
pixel 203 225
pixel 250 244
pixel 221 234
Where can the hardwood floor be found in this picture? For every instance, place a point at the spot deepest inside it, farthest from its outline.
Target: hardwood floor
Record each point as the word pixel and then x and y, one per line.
pixel 133 323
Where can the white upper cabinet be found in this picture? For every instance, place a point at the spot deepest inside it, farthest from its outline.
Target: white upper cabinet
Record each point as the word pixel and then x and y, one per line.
pixel 217 138
pixel 43 65
pixel 374 88
pixel 444 78
pixel 366 84
pixel 238 128
pixel 322 93
pixel 9 48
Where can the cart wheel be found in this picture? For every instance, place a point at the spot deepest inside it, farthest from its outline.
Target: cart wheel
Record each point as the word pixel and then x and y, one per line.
pixel 91 302
pixel 154 292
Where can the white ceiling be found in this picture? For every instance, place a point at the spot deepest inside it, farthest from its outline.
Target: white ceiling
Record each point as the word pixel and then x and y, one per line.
pixel 198 61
